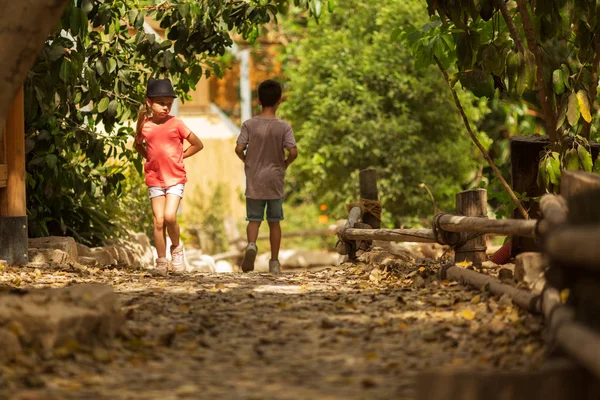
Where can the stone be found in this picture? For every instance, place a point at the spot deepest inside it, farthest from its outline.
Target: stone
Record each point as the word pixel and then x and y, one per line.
pixel 530 268
pixel 223 267
pixel 66 244
pixel 102 256
pixel 139 243
pixel 49 256
pixel 299 258
pixel 46 319
pixel 201 263
pixel 505 274
pixel 83 250
pixel 88 261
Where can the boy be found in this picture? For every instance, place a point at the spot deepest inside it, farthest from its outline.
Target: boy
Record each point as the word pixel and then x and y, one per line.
pixel 264 139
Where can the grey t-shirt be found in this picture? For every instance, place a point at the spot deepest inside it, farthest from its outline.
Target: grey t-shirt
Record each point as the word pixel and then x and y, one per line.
pixel 265 140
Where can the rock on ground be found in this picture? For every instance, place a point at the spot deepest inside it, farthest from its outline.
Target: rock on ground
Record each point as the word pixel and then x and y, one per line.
pixel 43 320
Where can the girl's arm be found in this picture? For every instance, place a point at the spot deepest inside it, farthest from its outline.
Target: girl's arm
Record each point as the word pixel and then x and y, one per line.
pixel 196 145
pixel 139 139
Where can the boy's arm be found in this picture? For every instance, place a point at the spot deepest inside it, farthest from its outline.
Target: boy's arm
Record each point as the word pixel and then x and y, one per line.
pixel 196 145
pixel 292 155
pixel 239 150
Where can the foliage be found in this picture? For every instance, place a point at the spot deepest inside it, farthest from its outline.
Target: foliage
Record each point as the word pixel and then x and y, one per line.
pixel 368 106
pixel 205 219
pixel 485 42
pixel 89 81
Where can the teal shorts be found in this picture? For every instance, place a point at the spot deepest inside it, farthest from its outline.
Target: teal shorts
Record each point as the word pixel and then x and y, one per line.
pixel 255 210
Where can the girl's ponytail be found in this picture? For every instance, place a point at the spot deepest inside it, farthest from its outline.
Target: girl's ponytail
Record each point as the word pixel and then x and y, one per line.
pixel 143 114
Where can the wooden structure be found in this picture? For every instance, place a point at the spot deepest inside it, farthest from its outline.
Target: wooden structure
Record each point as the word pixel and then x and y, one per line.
pixel 13 210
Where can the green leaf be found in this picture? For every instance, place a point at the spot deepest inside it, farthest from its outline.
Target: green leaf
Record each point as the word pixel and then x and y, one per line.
pixel 585 158
pixel 566 73
pixel 478 82
pixel 56 53
pixel 103 104
pixel 65 71
pixel 112 108
pixel 553 169
pixel 573 112
pixel 571 160
pixel 562 110
pixel 558 81
pixel 51 160
pixel 100 67
pixel 112 65
pixel 330 5
pixel 87 6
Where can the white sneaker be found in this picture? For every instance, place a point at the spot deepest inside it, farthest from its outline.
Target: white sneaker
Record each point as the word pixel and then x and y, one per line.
pixel 274 267
pixel 161 266
pixel 177 258
pixel 249 257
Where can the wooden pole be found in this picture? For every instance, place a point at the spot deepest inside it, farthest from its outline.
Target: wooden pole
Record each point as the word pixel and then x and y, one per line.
pixel 368 191
pixel 523 298
pixel 13 222
pixel 472 203
pixel 391 235
pixel 457 223
pixel 13 197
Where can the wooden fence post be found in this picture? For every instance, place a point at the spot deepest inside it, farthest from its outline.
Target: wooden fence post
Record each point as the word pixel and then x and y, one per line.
pixel 368 191
pixel 472 203
pixel 13 210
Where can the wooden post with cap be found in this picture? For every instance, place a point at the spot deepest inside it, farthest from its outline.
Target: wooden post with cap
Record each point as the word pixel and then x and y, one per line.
pixel 472 203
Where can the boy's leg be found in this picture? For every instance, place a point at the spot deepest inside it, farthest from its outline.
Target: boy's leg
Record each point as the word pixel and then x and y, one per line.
pixel 255 210
pixel 275 239
pixel 274 216
pixel 252 231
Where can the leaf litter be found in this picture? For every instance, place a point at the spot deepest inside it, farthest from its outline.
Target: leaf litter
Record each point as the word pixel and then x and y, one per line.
pixel 360 330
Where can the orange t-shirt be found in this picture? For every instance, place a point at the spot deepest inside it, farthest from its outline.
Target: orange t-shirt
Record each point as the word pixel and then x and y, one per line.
pixel 164 145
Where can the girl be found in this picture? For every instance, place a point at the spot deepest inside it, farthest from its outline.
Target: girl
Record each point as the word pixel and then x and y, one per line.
pixel 159 139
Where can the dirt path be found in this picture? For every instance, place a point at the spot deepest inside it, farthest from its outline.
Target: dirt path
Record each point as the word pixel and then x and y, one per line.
pixel 342 333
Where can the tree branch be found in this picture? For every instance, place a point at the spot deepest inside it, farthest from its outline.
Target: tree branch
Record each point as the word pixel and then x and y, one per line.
pixel 487 157
pixel 514 32
pixel 549 116
pixel 593 87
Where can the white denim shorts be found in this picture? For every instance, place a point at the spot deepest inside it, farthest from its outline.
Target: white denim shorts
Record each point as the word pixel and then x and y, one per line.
pixel 155 191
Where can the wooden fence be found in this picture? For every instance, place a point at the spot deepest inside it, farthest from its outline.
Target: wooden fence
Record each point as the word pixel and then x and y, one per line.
pixel 568 233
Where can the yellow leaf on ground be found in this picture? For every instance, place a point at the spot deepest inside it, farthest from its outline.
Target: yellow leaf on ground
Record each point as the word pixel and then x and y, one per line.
pixel 468 315
pixel 464 264
pixel 564 295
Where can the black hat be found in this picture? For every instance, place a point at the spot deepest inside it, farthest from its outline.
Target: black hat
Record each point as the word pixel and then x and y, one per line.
pixel 160 88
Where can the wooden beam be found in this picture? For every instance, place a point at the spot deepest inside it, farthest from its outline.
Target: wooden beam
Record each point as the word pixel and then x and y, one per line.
pixel 391 235
pixel 457 223
pixel 12 199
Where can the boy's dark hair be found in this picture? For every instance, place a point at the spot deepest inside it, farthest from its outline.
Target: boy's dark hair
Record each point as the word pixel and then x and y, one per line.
pixel 269 92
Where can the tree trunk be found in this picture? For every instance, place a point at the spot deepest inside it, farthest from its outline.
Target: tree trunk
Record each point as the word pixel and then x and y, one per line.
pixel 24 26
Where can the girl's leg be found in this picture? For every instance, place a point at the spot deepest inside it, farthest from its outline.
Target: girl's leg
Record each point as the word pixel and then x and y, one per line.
pixel 170 215
pixel 158 209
